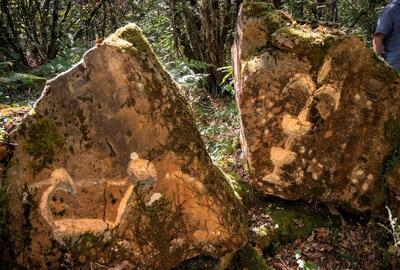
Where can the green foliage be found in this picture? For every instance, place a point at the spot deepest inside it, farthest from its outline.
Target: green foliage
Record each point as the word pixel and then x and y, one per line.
pixel 196 64
pixel 221 133
pixel 227 82
pixel 157 29
pixel 240 187
pixel 6 65
pixel 15 80
pixel 361 16
pixel 182 72
pixel 64 60
pixel 14 84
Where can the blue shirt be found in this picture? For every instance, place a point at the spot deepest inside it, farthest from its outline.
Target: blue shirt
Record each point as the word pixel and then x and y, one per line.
pixel 389 25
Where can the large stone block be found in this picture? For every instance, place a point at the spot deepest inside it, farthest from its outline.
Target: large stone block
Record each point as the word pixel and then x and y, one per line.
pixel 319 112
pixel 110 168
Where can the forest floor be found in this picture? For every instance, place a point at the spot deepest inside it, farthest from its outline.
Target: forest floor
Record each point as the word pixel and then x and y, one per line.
pixel 283 235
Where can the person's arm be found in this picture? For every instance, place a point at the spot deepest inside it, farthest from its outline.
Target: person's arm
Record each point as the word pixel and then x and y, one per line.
pixel 377 43
pixel 384 28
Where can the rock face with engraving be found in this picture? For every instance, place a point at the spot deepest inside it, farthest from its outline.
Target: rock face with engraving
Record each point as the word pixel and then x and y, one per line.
pixel 319 111
pixel 110 169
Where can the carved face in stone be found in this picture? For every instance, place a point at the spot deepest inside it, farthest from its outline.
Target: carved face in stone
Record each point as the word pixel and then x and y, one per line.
pixel 299 142
pixel 64 193
pixel 305 108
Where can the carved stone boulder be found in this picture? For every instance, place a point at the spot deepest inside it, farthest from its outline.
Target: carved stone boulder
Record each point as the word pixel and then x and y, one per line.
pixel 319 111
pixel 110 170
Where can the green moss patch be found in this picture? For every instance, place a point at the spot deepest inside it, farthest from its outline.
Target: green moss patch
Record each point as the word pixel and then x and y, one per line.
pixel 305 36
pixel 249 258
pixel 42 140
pixel 286 222
pixel 256 8
pixel 291 223
pixel 274 19
pixel 304 41
pixel 130 38
pixel 134 35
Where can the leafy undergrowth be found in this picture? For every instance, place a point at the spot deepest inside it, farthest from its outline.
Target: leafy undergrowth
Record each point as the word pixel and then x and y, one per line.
pixel 10 117
pixel 64 60
pixel 18 88
pixel 24 88
pixel 219 125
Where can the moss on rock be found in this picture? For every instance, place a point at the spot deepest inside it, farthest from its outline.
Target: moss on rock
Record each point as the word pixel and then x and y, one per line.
pixel 314 43
pixel 131 39
pixel 42 140
pixel 289 222
pixel 256 9
pixel 249 258
pixel 273 19
pixel 292 223
pixel 284 33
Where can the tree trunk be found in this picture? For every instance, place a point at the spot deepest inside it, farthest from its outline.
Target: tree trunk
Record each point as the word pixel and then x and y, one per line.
pixel 12 34
pixel 54 32
pixel 201 32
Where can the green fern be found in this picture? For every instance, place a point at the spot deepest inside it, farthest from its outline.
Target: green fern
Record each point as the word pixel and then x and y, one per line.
pixel 5 66
pixel 227 83
pixel 15 80
pixel 64 60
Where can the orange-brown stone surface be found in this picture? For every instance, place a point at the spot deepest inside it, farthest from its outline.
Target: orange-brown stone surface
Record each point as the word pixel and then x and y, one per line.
pixel 319 111
pixel 110 169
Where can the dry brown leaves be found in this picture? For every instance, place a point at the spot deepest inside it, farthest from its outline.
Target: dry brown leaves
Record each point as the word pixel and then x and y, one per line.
pixel 351 247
